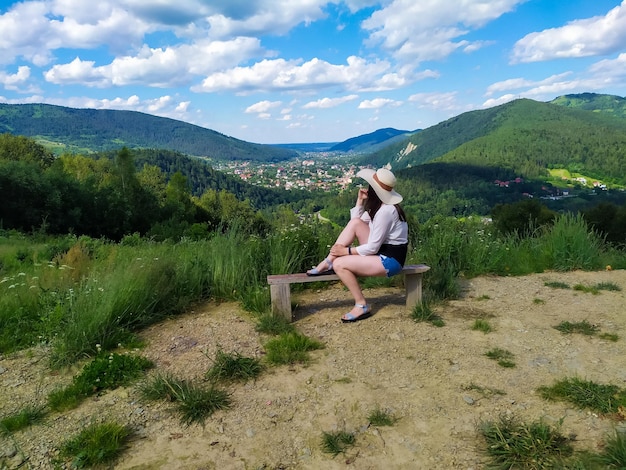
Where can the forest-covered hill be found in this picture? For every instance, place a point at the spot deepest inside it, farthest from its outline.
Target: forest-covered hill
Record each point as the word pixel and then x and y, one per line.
pixel 525 136
pixel 89 130
pixel 371 142
pixel 608 104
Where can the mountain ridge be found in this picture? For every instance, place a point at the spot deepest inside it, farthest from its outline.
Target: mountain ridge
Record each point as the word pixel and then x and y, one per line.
pixel 76 130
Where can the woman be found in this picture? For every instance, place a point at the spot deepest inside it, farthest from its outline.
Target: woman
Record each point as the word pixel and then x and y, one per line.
pixel 379 224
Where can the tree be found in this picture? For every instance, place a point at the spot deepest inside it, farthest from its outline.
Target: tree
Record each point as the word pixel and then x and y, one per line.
pixel 521 217
pixel 20 148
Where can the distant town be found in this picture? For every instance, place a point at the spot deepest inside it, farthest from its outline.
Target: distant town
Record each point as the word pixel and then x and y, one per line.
pixel 311 172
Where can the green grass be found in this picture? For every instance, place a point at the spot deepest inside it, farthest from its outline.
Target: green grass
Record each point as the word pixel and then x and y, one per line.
pixel 46 287
pixel 337 442
pixel 557 285
pixel 423 312
pixel 609 336
pixel 613 454
pixel 233 367
pixel 480 324
pixel 290 348
pixel 502 356
pixel 194 403
pixel 586 289
pixel 610 286
pixel 595 289
pixel 380 417
pixel 105 372
pixel 586 394
pixel 513 444
pixel 582 327
pixel 274 324
pixel 22 419
pixel 96 445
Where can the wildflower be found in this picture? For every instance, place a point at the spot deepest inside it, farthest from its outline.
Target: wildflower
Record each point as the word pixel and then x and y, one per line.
pixel 21 274
pixel 12 286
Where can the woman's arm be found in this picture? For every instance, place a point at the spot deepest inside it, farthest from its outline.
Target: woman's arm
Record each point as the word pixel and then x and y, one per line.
pixel 379 230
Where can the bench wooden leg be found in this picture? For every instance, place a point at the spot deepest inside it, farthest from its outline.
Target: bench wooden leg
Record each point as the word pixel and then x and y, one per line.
pixel 413 283
pixel 281 300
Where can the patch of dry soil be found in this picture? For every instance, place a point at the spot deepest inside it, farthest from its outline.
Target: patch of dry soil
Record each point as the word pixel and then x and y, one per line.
pixel 438 381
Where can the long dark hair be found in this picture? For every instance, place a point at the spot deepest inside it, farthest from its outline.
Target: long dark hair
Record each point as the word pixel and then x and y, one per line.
pixel 373 203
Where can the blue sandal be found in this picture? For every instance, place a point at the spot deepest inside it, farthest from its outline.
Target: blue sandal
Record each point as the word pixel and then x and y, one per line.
pixel 316 272
pixel 367 312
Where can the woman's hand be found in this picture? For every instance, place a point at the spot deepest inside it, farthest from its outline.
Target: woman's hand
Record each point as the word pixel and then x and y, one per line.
pixel 361 197
pixel 338 250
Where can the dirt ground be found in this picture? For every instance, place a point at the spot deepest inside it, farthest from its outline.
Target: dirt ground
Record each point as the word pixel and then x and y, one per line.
pixel 437 381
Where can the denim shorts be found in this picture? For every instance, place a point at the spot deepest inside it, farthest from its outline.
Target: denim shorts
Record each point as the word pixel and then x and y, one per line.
pixel 391 265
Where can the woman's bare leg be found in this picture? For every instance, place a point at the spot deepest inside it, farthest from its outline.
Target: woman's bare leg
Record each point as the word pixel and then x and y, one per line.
pixel 354 229
pixel 349 267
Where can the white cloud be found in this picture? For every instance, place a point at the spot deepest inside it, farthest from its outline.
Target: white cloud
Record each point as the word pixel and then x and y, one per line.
pixel 280 74
pixel 329 102
pixel 171 66
pixel 446 101
pixel 598 35
pixel 268 17
pixel 25 31
pixel 521 83
pixel 378 103
pixel 263 106
pixel 79 72
pixel 17 80
pixel 490 103
pixel 602 76
pixel 422 30
pixel 611 72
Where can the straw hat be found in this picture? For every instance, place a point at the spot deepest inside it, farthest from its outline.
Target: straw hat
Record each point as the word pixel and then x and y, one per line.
pixel 382 181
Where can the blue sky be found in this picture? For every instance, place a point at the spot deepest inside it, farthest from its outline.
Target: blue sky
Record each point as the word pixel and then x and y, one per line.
pixel 283 71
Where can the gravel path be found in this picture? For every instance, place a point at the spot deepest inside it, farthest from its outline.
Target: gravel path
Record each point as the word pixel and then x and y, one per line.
pixel 438 381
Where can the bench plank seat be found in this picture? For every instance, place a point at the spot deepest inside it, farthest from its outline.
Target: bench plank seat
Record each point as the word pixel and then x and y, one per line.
pixel 280 291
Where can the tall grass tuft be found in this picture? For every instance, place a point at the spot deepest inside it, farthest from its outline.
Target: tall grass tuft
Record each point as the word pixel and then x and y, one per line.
pixel 613 454
pixel 233 367
pixel 586 394
pixel 96 445
pixel 194 403
pixel 290 348
pixel 24 418
pixel 511 443
pixel 569 245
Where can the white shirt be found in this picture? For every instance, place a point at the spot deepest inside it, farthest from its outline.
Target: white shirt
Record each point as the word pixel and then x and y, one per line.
pixel 385 228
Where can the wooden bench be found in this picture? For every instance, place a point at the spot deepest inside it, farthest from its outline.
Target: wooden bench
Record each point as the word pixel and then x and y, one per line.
pixel 280 290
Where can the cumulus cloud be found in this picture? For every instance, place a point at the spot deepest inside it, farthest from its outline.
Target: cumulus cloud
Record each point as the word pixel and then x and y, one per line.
pixel 280 75
pixel 17 80
pixel 166 67
pixel 263 106
pixel 430 29
pixel 265 17
pixel 329 102
pixel 598 35
pixel 378 103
